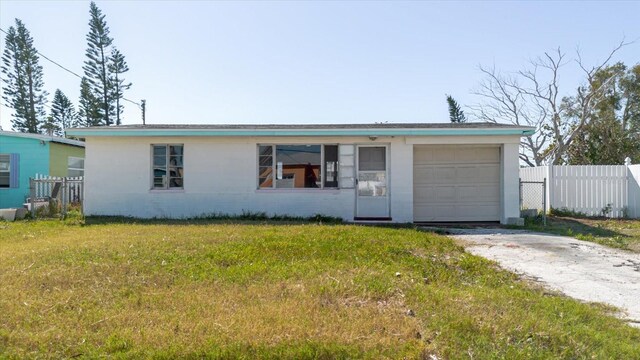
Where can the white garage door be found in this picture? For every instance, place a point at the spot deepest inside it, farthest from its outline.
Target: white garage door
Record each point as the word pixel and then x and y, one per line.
pixel 456 183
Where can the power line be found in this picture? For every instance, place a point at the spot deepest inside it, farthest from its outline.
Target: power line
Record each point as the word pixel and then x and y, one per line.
pixel 71 72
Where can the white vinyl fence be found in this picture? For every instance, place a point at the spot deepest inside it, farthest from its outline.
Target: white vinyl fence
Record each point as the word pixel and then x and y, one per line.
pixel 595 190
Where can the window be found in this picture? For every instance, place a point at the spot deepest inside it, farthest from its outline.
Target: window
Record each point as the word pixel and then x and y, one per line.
pixel 297 166
pixel 168 170
pixel 75 166
pixel 5 170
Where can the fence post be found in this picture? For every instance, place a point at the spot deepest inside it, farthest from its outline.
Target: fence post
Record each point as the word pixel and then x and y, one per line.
pixel 548 194
pixel 32 197
pixel 521 195
pixel 64 197
pixel 629 179
pixel 544 201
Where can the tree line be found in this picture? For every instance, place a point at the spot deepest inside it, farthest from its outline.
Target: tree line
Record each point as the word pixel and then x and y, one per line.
pixel 102 87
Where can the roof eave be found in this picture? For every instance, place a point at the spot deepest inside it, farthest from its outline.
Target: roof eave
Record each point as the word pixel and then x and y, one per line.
pixel 45 138
pixel 110 132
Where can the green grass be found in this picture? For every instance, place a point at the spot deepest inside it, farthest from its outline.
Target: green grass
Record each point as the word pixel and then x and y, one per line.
pixel 222 289
pixel 616 233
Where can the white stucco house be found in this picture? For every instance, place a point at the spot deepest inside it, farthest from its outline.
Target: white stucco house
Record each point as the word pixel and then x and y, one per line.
pixel 384 172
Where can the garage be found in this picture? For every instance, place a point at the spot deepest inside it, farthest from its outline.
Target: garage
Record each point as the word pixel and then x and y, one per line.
pixel 456 183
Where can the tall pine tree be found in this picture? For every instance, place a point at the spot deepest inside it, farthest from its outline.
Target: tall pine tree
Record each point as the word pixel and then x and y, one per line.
pixel 63 115
pixel 23 80
pixel 89 107
pixel 96 68
pixel 456 115
pixel 50 127
pixel 118 66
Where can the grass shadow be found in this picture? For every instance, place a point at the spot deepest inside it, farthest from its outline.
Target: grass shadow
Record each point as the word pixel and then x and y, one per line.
pixel 567 226
pixel 245 219
pixel 604 231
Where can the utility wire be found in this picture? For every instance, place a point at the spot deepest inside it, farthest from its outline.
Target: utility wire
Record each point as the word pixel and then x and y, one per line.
pixel 69 71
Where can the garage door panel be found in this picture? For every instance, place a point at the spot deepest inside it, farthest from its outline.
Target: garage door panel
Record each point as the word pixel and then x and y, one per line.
pixel 456 194
pixel 474 173
pixel 477 193
pixel 461 174
pixel 436 174
pixel 437 194
pixel 456 183
pixel 440 213
pixel 485 212
pixel 477 155
pixel 478 212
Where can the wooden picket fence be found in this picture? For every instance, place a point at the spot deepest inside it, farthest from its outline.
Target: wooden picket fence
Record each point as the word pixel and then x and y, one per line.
pixel 593 190
pixel 65 191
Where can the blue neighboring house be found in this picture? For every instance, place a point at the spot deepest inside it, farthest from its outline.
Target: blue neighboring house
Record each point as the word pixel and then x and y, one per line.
pixel 24 155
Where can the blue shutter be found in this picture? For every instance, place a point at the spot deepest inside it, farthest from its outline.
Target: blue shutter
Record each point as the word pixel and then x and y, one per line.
pixel 14 171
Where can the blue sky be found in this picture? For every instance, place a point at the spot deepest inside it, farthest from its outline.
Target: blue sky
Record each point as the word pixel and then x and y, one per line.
pixel 317 62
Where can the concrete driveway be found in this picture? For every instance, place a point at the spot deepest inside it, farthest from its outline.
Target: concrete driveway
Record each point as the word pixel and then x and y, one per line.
pixel 580 269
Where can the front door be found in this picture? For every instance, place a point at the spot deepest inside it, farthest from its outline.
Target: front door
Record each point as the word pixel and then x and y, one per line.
pixel 372 182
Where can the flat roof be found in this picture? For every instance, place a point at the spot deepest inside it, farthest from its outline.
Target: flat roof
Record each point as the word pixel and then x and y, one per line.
pixel 376 129
pixel 41 137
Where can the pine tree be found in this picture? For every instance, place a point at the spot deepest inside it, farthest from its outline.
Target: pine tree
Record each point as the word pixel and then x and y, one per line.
pixel 96 67
pixel 63 114
pixel 456 115
pixel 118 66
pixel 23 80
pixel 50 127
pixel 89 108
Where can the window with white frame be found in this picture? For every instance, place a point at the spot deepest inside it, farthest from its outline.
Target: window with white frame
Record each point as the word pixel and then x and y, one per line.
pixel 167 166
pixel 75 166
pixel 5 170
pixel 310 166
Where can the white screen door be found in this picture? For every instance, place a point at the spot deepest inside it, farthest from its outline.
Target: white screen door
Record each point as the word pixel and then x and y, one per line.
pixel 372 195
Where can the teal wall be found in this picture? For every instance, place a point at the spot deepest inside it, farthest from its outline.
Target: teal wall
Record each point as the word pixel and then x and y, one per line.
pixel 34 158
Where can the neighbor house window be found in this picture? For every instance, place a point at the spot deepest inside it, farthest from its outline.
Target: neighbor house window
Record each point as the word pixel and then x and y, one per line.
pixel 5 170
pixel 168 169
pixel 75 166
pixel 297 166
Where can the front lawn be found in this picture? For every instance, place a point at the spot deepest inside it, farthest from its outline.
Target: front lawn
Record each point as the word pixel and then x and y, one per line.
pixel 617 233
pixel 278 290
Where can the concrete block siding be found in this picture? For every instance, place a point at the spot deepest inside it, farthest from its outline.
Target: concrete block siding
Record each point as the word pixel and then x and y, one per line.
pixel 220 176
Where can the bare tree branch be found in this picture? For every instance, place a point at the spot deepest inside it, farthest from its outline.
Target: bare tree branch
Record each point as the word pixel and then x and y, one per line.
pixel 532 97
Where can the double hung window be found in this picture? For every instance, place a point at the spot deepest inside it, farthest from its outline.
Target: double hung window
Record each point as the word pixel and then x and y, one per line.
pixel 167 166
pixel 5 170
pixel 75 166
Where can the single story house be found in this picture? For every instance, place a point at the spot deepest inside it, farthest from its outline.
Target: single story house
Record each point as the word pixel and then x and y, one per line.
pixel 23 155
pixel 384 172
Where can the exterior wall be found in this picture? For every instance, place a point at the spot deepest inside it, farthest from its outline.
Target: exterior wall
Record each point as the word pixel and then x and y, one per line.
pixel 221 177
pixel 510 181
pixel 59 157
pixel 34 158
